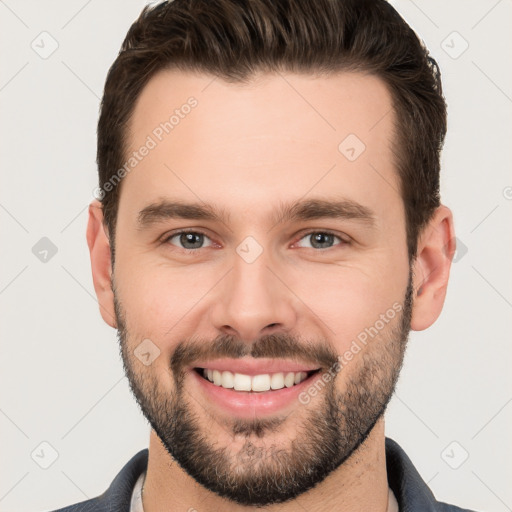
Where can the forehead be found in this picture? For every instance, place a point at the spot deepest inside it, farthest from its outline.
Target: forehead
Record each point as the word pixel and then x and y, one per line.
pixel 279 137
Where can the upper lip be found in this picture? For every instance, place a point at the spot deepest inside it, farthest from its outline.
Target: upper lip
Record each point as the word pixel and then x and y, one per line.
pixel 252 366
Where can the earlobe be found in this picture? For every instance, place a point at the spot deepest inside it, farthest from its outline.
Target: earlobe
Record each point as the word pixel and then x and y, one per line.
pixel 436 248
pixel 99 250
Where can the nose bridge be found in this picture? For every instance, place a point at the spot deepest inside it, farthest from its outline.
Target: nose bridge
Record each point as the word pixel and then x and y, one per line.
pixel 252 299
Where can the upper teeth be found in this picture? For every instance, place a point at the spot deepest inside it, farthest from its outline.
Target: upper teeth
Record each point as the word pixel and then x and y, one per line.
pixel 264 382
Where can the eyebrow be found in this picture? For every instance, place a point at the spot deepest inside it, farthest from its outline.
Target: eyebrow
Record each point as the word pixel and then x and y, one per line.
pixel 309 209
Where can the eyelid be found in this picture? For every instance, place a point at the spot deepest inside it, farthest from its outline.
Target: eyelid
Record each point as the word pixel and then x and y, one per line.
pixel 181 231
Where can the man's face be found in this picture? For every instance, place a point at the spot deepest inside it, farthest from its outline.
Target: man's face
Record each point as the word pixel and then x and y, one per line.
pixel 257 292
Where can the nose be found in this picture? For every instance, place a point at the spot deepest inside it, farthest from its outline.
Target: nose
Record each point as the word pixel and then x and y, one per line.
pixel 253 301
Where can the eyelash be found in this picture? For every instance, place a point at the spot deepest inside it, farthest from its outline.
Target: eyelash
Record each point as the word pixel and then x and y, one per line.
pixel 303 235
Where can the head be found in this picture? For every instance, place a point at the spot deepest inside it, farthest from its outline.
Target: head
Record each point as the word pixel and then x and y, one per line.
pixel 299 144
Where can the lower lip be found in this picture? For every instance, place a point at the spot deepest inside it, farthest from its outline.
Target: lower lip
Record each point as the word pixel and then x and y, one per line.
pixel 250 403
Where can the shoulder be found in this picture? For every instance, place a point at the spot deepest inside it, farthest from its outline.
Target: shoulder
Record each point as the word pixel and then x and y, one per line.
pixel 410 490
pixel 446 507
pixel 117 497
pixel 93 505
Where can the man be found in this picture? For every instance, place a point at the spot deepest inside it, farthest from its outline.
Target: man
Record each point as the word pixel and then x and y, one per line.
pixel 269 230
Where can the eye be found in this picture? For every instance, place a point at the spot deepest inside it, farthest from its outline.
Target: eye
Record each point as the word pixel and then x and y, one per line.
pixel 321 239
pixel 191 241
pixel 188 240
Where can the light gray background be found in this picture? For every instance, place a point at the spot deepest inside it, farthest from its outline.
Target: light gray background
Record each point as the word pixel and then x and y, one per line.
pixel 61 377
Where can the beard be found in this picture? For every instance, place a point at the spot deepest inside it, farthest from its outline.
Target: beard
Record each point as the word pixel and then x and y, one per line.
pixel 260 473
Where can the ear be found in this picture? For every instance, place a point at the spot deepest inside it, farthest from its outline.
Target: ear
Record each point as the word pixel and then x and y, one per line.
pixel 436 248
pixel 99 249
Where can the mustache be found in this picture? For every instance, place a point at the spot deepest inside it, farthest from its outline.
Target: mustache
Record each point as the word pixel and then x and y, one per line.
pixel 272 346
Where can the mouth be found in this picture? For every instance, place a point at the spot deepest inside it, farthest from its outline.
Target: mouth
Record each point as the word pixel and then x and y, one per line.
pixel 253 393
pixel 261 383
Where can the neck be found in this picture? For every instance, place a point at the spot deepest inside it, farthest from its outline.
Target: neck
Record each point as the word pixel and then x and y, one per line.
pixel 358 485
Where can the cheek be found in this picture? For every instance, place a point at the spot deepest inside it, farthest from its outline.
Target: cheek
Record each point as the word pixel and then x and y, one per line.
pixel 353 300
pixel 159 301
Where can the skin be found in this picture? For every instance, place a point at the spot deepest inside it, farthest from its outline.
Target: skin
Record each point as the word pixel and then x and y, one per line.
pixel 249 149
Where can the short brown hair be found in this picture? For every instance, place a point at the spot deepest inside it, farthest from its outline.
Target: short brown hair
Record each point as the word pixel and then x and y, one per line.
pixel 235 39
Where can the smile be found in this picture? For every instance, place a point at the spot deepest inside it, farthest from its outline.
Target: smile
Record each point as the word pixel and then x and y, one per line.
pixel 253 383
